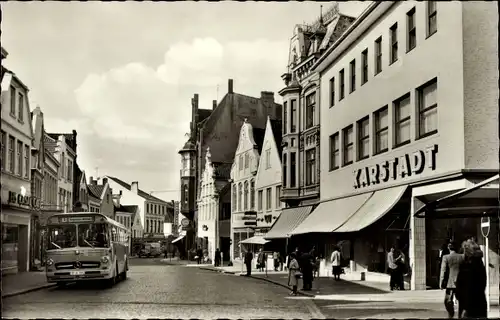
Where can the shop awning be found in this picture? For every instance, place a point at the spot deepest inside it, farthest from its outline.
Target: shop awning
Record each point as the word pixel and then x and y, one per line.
pixel 255 240
pixel 330 215
pixel 178 239
pixel 288 220
pixel 437 207
pixel 378 205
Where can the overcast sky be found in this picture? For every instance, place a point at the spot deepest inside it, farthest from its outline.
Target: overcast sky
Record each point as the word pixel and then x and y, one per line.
pixel 123 74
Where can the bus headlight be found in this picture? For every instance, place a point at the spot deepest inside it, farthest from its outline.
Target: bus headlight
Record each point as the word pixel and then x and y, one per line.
pixel 49 262
pixel 105 259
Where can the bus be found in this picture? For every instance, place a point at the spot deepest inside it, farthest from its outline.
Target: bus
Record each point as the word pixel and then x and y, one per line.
pixel 86 246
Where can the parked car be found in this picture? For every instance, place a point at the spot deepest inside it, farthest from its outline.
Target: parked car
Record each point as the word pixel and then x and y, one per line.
pixel 150 250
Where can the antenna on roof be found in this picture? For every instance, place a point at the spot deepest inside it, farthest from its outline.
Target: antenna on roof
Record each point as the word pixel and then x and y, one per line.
pixel 97 173
pixel 217 94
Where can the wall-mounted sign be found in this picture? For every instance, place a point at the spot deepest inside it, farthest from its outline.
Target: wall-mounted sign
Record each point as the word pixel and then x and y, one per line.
pixel 204 227
pixel 20 199
pixel 405 166
pixel 185 222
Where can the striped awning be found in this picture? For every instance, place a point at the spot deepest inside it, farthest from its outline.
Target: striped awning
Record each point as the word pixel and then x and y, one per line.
pixel 288 220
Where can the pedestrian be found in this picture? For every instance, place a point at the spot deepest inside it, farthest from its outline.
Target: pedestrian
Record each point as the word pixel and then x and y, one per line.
pixel 261 260
pixel 199 255
pixel 449 271
pixel 471 283
pixel 293 273
pixel 248 262
pixel 307 267
pixel 217 257
pixel 401 270
pixel 276 260
pixel 393 268
pixel 336 263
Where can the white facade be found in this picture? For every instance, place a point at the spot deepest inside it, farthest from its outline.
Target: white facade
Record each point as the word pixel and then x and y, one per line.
pixel 426 110
pixel 268 182
pixel 208 207
pixel 17 200
pixel 243 171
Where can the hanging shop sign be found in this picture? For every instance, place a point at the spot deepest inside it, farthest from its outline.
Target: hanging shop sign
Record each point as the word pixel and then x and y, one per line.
pixel 407 165
pixel 22 200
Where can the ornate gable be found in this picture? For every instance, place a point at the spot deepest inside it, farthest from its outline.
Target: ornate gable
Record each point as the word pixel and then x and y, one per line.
pixel 269 169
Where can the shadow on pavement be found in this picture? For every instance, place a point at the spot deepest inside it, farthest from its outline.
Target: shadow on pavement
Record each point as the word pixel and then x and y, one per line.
pixel 330 286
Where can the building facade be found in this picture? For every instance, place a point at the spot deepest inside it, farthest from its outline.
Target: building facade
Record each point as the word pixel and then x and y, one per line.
pixel 215 129
pixel 63 147
pixel 268 179
pixel 82 198
pixel 301 112
pixel 402 132
pixel 243 172
pixel 20 208
pixel 152 211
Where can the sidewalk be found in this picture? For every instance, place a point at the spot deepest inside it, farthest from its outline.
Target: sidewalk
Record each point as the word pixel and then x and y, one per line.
pixel 24 282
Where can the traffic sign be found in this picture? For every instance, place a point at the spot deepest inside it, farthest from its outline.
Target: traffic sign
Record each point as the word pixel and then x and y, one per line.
pixel 185 222
pixel 485 226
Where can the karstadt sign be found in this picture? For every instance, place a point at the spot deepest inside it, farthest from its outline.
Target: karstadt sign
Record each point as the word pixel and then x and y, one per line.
pixel 398 168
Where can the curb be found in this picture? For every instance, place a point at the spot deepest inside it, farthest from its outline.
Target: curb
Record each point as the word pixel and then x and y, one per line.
pixel 217 270
pixel 23 291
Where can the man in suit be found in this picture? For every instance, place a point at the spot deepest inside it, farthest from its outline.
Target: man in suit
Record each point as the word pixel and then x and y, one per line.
pixel 248 262
pixel 449 272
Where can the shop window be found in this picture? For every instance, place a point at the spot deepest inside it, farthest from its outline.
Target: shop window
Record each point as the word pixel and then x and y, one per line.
pixel 10 245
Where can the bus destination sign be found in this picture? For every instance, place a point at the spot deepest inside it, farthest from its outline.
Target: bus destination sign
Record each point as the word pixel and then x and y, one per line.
pixel 75 219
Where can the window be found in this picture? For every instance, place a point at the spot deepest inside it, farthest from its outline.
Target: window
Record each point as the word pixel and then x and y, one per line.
pixel 378 55
pixel 285 167
pixel 20 114
pixel 381 130
pixel 363 138
pixel 285 114
pixel 62 165
pixel 259 200
pixel 412 30
pixel 4 150
pixel 310 167
pixel 268 158
pixel 240 192
pixel 293 174
pixel 431 18
pixel 241 162
pixel 12 162
pixel 402 120
pixel 394 43
pixel 13 101
pixel 310 109
pixel 353 75
pixel 341 84
pixel 269 199
pixel 278 195
pixel 427 109
pixel 247 160
pixel 234 197
pixel 293 116
pixel 70 170
pixel 20 158
pixel 334 151
pixel 364 75
pixel 348 145
pixel 332 92
pixel 252 195
pixel 26 161
pixel 245 196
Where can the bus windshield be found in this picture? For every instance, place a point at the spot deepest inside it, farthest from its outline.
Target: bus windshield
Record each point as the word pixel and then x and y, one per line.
pixel 61 237
pixel 93 235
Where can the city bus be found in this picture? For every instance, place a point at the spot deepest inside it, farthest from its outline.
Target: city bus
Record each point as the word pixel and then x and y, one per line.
pixel 86 246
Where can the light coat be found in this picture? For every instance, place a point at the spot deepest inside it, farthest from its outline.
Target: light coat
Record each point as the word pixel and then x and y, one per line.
pixel 335 258
pixel 449 269
pixel 293 270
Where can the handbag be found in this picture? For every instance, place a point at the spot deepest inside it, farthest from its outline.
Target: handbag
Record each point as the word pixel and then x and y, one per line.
pixel 298 275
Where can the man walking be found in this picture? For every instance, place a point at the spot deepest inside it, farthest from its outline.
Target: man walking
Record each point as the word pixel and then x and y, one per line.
pixel 449 271
pixel 248 262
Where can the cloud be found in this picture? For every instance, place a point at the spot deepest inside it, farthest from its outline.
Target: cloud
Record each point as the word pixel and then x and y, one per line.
pixel 145 111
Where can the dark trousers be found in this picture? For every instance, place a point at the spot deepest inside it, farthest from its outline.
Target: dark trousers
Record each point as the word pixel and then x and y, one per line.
pixel 249 268
pixel 307 280
pixel 400 278
pixel 449 304
pixel 393 273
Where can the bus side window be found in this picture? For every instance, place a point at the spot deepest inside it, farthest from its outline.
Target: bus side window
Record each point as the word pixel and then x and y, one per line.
pixel 120 232
pixel 114 233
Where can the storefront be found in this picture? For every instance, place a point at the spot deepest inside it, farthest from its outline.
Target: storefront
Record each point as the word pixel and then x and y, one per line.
pixel 18 210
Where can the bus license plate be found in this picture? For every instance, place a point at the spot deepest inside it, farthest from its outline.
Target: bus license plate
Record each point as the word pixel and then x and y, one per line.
pixel 77 273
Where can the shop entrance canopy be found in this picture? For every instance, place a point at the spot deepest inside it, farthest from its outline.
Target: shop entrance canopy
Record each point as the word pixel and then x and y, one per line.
pixel 443 207
pixel 255 240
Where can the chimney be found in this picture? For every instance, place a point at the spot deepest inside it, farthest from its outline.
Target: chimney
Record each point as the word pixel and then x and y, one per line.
pixel 92 181
pixel 267 96
pixel 230 86
pixel 214 104
pixel 134 187
pixel 104 181
pixel 121 193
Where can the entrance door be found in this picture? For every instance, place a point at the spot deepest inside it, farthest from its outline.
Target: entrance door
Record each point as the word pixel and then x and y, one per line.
pixel 225 248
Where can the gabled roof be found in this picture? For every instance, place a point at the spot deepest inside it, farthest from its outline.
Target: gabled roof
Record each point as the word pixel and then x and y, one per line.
pixel 276 126
pixel 140 192
pixel 132 209
pixel 96 190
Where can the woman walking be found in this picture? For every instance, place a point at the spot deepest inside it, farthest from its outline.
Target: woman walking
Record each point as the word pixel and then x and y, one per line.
pixel 471 283
pixel 336 263
pixel 293 273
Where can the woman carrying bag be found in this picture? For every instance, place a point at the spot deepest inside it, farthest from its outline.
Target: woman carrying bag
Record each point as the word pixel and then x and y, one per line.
pixel 293 273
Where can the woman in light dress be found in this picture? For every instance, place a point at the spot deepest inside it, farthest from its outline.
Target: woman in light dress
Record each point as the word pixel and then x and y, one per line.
pixel 293 273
